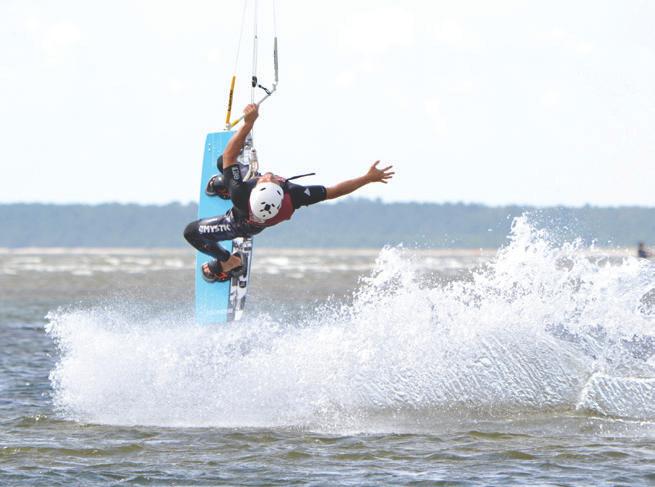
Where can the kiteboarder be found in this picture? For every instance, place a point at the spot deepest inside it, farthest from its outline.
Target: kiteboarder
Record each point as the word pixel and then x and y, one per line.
pixel 258 203
pixel 643 252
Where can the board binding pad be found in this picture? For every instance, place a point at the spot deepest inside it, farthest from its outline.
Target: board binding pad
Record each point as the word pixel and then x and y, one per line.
pixel 220 302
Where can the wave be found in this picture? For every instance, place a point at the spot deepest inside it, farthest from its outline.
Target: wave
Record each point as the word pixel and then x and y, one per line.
pixel 542 328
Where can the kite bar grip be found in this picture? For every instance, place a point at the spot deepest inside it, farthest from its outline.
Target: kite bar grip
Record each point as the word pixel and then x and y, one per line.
pixel 229 102
pixel 231 125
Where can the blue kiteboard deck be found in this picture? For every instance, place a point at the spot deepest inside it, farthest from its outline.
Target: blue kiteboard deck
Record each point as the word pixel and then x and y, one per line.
pixel 219 302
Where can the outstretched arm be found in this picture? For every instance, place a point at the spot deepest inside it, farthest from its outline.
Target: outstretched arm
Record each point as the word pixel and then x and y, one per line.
pixel 234 146
pixel 373 175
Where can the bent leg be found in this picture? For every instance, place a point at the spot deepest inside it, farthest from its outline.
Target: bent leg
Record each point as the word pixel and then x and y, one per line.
pixel 206 234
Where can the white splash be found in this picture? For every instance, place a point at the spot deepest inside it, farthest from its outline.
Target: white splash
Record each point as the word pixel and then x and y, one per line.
pixel 540 328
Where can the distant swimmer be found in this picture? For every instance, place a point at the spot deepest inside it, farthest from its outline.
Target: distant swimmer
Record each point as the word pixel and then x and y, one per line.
pixel 258 203
pixel 643 252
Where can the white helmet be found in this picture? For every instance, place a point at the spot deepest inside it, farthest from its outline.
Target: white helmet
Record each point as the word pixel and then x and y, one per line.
pixel 266 200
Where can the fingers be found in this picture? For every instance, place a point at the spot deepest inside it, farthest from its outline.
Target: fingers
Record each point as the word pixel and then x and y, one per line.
pixel 381 174
pixel 250 113
pixel 375 166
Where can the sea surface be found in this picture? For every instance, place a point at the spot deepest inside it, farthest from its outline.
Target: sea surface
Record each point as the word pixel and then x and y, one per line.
pixel 532 365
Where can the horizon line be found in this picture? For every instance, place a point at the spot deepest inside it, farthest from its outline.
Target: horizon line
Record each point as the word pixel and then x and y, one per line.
pixel 350 200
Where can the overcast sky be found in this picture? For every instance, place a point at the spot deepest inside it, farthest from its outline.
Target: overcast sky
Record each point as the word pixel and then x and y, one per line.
pixel 478 101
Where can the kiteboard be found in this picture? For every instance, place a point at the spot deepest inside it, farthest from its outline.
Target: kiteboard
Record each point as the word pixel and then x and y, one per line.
pixel 220 302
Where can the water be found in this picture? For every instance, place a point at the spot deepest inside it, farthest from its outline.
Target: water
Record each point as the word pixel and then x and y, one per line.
pixel 534 365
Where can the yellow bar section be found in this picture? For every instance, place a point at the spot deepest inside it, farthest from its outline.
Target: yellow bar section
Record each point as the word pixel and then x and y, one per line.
pixel 229 101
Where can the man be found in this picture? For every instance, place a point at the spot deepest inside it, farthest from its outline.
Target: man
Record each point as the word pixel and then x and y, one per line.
pixel 258 203
pixel 643 252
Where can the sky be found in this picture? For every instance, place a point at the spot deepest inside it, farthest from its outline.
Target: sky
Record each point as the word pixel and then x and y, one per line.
pixel 503 102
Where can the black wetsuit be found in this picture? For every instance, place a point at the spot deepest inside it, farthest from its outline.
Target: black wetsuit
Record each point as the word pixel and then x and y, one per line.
pixel 205 234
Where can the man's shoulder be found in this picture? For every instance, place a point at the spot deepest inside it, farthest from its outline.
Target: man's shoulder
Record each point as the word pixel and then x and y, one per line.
pixel 236 172
pixel 306 195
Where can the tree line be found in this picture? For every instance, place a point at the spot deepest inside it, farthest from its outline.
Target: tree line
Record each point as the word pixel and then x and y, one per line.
pixel 350 223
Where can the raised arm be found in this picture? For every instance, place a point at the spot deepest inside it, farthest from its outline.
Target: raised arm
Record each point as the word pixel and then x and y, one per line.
pixel 373 175
pixel 234 146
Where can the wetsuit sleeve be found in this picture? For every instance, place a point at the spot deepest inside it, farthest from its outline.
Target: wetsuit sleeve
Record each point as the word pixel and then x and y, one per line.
pixel 238 188
pixel 306 195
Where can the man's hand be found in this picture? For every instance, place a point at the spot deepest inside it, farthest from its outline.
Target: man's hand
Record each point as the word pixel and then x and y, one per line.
pixel 251 112
pixel 375 175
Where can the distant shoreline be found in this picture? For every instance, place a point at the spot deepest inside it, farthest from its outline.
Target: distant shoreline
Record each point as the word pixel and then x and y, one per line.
pixel 353 223
pixel 287 252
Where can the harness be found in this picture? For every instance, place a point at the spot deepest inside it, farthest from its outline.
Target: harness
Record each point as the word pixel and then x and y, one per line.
pixel 298 177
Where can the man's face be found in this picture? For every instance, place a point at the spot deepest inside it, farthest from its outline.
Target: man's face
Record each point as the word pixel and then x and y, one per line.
pixel 269 177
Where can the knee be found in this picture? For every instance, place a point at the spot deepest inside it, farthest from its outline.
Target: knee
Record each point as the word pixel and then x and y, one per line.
pixel 191 232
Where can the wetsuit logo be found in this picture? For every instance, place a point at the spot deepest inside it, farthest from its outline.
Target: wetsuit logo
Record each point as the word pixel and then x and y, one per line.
pixel 221 227
pixel 236 174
